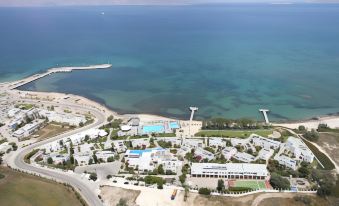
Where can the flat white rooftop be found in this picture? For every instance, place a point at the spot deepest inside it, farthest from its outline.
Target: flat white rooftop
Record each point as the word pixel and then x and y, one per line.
pixel 244 168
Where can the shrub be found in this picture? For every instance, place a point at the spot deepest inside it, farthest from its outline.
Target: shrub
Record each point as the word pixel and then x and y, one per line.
pixel 240 189
pixel 204 191
pixel 311 135
pixel 110 159
pixel 122 202
pixel 304 199
pixel 153 180
pixel 160 185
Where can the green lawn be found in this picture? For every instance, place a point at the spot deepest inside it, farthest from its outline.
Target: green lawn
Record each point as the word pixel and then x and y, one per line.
pixel 234 133
pixel 26 190
pixel 250 184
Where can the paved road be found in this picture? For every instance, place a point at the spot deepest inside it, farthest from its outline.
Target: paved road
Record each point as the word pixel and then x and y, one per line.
pixel 87 193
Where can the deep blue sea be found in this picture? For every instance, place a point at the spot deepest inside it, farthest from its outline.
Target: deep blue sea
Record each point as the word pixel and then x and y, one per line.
pixel 228 60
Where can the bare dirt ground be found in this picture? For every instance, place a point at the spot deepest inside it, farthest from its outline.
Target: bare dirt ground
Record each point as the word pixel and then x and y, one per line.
pixel 51 130
pixel 288 199
pixel 262 199
pixel 330 143
pixel 112 195
pixel 201 200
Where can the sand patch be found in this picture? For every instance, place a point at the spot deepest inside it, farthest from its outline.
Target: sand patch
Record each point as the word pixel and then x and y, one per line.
pixel 112 195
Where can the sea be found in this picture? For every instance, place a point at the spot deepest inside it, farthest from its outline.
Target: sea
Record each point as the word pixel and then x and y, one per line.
pixel 229 60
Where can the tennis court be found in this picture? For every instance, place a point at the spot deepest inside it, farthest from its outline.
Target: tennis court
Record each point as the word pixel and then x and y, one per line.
pixel 253 184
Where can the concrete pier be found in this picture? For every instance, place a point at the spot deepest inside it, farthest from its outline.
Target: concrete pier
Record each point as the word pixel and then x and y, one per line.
pixel 193 109
pixel 264 111
pixel 35 77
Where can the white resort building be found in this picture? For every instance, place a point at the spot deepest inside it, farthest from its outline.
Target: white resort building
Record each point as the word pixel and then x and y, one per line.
pixel 202 154
pixel 149 159
pixel 229 170
pixel 244 157
pixel 194 143
pixel 216 142
pixel 265 154
pixel 299 149
pixel 265 142
pixel 28 129
pixel 287 161
pixel 229 152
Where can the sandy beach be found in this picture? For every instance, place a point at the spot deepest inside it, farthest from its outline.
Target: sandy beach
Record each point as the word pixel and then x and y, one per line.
pixel 331 121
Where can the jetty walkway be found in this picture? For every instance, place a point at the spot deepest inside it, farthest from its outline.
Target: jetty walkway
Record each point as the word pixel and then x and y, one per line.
pixel 16 84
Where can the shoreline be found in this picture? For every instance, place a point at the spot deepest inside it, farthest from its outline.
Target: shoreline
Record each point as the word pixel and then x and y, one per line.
pixel 12 86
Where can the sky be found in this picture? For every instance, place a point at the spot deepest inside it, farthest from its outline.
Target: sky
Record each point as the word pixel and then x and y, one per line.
pixel 139 2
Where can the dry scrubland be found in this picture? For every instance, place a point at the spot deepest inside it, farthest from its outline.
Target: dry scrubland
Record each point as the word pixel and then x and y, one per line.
pixel 112 195
pixel 330 143
pixel 26 190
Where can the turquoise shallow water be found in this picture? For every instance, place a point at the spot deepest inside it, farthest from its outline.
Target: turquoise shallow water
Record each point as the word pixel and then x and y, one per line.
pixel 229 60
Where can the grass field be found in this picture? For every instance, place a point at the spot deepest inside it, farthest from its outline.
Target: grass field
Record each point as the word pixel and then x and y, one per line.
pixel 234 133
pixel 250 184
pixel 26 190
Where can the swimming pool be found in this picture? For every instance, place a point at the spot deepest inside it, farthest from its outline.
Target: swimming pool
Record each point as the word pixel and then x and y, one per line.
pixel 140 152
pixel 153 128
pixel 174 125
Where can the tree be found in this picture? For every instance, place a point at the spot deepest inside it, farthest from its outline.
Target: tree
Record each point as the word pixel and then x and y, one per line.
pixel 52 108
pixel 71 158
pixel 93 176
pixel 221 185
pixel 204 191
pixel 250 151
pixel 95 159
pixel 302 128
pixel 161 170
pixel 110 118
pixel 81 124
pixel 14 146
pixel 49 160
pixel 110 159
pixel 304 172
pixel 279 182
pixel 71 149
pixel 182 178
pixel 86 137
